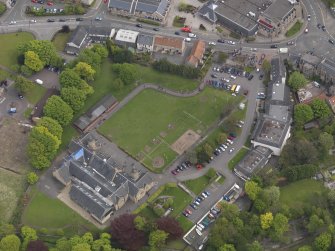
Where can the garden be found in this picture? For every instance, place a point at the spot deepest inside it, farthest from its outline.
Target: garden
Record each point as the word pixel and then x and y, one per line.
pixel 198 185
pixel 150 124
pixel 294 29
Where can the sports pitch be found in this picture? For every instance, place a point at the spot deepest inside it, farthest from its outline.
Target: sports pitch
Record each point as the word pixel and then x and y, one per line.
pixel 150 126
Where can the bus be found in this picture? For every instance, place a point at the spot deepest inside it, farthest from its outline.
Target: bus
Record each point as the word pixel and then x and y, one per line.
pixel 237 89
pixel 233 88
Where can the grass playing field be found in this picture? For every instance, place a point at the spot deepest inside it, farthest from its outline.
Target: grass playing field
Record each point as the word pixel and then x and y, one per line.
pixel 152 121
pixel 9 43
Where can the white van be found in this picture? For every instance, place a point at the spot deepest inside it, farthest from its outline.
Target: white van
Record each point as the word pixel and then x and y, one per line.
pixel 38 81
pixel 233 77
pixel 316 84
pixel 188 39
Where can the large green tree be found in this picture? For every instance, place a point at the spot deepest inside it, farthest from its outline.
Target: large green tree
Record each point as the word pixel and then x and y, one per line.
pixel 320 108
pixel 10 243
pixel 315 223
pixel 23 85
pixel 90 57
pixel 326 140
pixel 157 239
pixel 58 110
pixel 32 61
pixel 279 226
pixel 266 220
pixel 28 234
pixel 101 50
pixel 252 189
pixel 323 242
pixel 302 114
pixel 85 71
pixel 70 78
pixel 297 81
pixel 266 66
pixel 227 247
pixel 73 97
pixel 126 72
pixel 52 125
pixel 45 50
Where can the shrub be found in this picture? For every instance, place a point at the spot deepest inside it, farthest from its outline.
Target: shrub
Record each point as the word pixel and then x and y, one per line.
pixel 32 178
pixel 3 8
pixel 148 21
pixel 158 211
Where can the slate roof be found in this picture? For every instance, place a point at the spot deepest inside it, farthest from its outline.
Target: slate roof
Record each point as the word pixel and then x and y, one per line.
pixel 279 9
pixel 147 6
pixel 144 39
pixel 97 185
pixel 78 36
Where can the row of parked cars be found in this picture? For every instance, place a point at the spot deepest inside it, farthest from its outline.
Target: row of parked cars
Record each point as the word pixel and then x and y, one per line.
pixel 196 203
pixel 233 72
pixel 182 167
pixel 210 218
pixel 224 147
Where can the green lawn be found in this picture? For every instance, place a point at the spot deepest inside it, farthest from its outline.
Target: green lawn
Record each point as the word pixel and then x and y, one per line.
pixel 28 112
pixel 199 184
pixel 4 74
pixel 299 193
pixel 35 94
pixel 9 43
pixel 60 40
pixel 237 158
pixel 138 127
pixel 185 223
pixel 180 200
pixel 45 212
pixel 294 29
pixel 11 189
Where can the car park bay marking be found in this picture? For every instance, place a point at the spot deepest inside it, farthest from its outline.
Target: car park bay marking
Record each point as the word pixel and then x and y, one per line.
pixel 2 100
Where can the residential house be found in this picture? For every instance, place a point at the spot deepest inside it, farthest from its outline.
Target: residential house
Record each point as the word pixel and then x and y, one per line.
pixel 145 43
pixel 126 38
pixel 76 40
pixel 197 53
pixel 169 45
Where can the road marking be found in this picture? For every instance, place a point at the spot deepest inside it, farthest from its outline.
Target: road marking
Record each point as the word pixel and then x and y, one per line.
pixel 2 100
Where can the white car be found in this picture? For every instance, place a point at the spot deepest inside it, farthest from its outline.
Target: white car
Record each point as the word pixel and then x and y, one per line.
pixel 233 94
pixel 33 21
pixel 212 43
pixel 309 18
pixel 231 150
pixel 98 19
pixel 231 42
pixel 226 80
pixel 192 35
pixel 306 30
pixel 187 39
pixel 12 22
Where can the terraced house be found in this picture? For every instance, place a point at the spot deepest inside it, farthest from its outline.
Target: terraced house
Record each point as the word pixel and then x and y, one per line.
pixel 98 184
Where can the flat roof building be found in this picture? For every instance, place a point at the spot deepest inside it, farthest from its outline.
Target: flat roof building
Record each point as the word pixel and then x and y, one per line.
pixel 252 162
pixel 152 9
pixel 126 38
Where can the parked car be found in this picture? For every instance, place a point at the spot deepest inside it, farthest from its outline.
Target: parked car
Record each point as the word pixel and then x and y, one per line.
pixel 156 29
pixel 331 41
pixel 194 206
pixel 79 19
pixel 185 214
pixel 177 33
pixel 250 77
pixel 12 22
pixel 98 19
pixel 323 28
pixel 319 26
pixel 139 25
pixel 290 43
pixel 188 211
pixel 50 3
pixel 308 17
pixel 214 75
pixel 232 150
pixel 33 21
pixel 208 193
pixel 261 76
pixel 34 1
pixel 221 41
pixel 186 29
pixel 212 43
pixel 20 96
pixel 205 195
pixel 192 35
pixel 174 172
pixel 274 46
pixel 50 20
pixel 62 20
pixel 306 30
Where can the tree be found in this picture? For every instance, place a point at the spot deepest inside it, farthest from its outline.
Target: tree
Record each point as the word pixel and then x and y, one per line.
pixel 326 140
pixel 32 61
pixel 10 242
pixel 37 245
pixel 26 71
pixel 23 85
pixel 73 97
pixel 87 238
pixel 221 138
pixel 170 226
pixel 157 239
pixel 121 56
pixel 90 57
pixel 140 223
pixel 3 8
pixel 123 230
pixel 28 234
pixel 297 81
pixel 192 156
pixel 100 50
pixel 208 150
pixel 267 199
pixel 320 108
pixel 252 189
pixel 255 246
pixel 227 247
pixel 32 178
pixel 65 29
pixel 85 71
pixel 63 244
pixel 126 72
pixel 7 229
pixel 102 244
pixel 57 109
pixel 118 84
pixel 69 78
pixel 279 226
pixel 52 125
pixel 266 220
pixel 266 66
pixel 37 156
pixel 45 50
pixel 323 242
pixel 298 172
pixel 81 247
pixel 302 114
pixel 314 224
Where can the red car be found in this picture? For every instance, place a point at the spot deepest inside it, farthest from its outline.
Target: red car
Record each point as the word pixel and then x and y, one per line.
pixel 105 1
pixel 34 1
pixel 186 29
pixel 50 3
pixel 230 137
pixel 188 211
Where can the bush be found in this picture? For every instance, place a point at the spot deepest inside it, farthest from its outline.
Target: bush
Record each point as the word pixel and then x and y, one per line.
pixel 158 211
pixel 32 178
pixel 148 21
pixel 235 35
pixel 3 8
